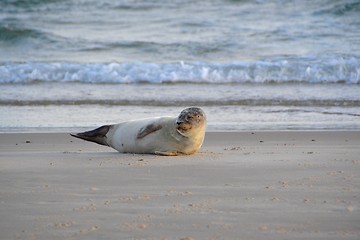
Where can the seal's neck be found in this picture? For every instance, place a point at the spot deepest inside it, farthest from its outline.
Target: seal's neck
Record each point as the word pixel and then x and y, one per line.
pixel 181 133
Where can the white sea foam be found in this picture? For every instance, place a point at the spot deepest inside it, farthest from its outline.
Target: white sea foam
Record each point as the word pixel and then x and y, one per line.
pixel 309 69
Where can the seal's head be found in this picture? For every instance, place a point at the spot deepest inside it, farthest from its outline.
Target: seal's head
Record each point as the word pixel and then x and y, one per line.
pixel 191 121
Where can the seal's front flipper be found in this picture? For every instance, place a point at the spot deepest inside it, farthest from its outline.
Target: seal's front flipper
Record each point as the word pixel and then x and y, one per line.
pixel 97 135
pixel 166 153
pixel 147 130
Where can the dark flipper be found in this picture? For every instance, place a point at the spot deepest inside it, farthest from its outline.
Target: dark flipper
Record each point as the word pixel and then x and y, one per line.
pixel 97 135
pixel 147 130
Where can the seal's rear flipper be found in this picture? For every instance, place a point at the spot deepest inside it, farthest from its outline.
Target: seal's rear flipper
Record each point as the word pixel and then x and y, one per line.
pixel 97 135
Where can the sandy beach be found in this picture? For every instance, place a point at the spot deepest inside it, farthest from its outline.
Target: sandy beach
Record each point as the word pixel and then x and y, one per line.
pixel 241 185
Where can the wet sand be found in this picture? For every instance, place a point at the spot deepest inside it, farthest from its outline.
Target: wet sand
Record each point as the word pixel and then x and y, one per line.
pixel 241 185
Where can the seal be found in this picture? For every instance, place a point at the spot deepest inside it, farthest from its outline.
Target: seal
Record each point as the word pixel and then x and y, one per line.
pixel 166 136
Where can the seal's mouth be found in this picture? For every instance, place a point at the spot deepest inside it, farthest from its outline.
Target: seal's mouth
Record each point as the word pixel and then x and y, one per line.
pixel 183 126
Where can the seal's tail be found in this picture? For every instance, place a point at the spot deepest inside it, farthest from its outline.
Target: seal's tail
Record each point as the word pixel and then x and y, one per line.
pixel 97 135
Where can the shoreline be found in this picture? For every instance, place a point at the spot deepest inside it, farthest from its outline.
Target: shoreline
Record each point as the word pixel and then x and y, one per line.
pixel 245 184
pixel 61 130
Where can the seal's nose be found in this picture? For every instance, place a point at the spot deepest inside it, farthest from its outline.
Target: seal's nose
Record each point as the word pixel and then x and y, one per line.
pixel 178 123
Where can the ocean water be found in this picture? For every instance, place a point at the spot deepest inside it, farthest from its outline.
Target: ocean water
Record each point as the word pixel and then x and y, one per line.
pixel 67 65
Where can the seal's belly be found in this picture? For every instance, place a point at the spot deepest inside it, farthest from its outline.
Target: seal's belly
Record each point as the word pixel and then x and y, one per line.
pixel 125 139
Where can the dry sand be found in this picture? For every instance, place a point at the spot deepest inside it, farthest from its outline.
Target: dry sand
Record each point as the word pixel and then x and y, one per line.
pixel 262 185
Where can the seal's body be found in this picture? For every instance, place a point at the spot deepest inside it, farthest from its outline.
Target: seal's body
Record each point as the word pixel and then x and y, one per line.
pixel 167 136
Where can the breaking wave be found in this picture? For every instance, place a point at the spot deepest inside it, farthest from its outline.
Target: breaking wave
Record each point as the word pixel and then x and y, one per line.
pixel 308 69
